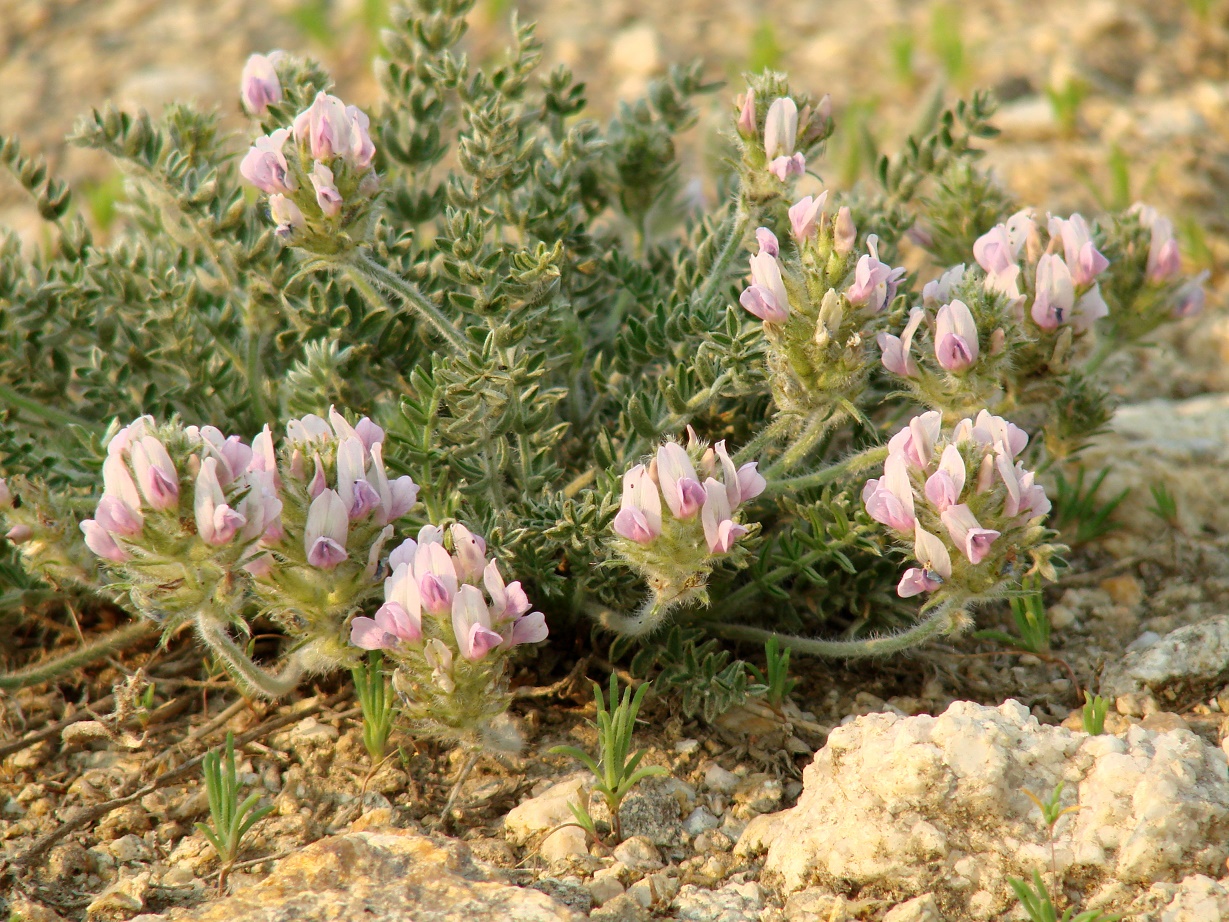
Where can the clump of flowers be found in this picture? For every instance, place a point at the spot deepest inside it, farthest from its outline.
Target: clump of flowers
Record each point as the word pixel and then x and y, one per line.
pixel 182 511
pixel 821 305
pixel 679 517
pixel 964 505
pixel 339 509
pixel 318 173
pixel 449 622
pixel 776 134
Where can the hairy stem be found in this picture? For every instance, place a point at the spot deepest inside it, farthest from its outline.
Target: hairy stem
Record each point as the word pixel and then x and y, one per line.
pixel 762 440
pixel 369 274
pixel 645 621
pixel 944 619
pixel 247 675
pixel 852 465
pixel 116 640
pixel 718 271
pixel 816 428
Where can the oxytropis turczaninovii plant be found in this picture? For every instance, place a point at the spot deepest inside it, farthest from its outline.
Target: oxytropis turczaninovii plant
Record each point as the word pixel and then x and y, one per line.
pixel 653 409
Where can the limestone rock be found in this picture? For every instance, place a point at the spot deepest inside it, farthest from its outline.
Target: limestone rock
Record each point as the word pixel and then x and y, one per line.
pixel 732 903
pixel 1193 900
pixel 548 810
pixel 378 877
pixel 899 807
pixel 1190 658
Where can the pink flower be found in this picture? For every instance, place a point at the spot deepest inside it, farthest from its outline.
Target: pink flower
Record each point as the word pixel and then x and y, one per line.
pixel 1083 258
pixel 874 281
pixel 956 345
pixel 216 522
pixel 286 215
pixel 746 115
pixel 118 517
pixel 1055 297
pixel 936 562
pixel 156 474
pixel 890 499
pixel 1164 258
pixel 1190 298
pixel 436 573
pixel 398 620
pixel 265 166
pixel 359 496
pixel 362 150
pixel 471 624
pixel 97 539
pixel 259 85
pixel 781 128
pixel 767 241
pixel 326 531
pixel 639 517
pixel 805 214
pixel 679 484
pixel 785 167
pixel 327 196
pixel 998 250
pixel 741 484
pixel 844 233
pixel 396 497
pixel 916 442
pixel 896 350
pixel 939 291
pixel 944 486
pixel 967 534
pixel 469 554
pixel 720 531
pixel 324 128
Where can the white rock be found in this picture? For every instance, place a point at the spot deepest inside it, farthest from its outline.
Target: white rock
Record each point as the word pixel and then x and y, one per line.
pixel 1195 899
pixel 720 780
pixel 919 909
pixel 732 903
pixel 700 821
pixel 604 889
pixel 639 854
pixel 548 810
pixel 563 845
pixel 1197 654
pixel 896 804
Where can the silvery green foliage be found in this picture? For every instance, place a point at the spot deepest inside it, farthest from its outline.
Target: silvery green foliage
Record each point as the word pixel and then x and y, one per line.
pixel 530 306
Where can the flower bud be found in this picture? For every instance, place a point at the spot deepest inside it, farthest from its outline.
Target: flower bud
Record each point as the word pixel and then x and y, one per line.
pixel 956 346
pixel 259 85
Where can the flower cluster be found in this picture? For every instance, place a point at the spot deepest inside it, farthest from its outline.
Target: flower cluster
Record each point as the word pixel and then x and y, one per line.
pixel 775 139
pixel 820 304
pixel 317 173
pixel 448 622
pixel 968 506
pixel 178 499
pixel 702 490
pixel 1061 278
pixel 339 508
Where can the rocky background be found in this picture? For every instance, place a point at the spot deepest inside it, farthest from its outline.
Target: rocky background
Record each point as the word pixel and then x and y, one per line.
pixel 913 807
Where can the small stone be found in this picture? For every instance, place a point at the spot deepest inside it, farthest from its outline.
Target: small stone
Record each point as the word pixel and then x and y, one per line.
pixel 1164 722
pixel 639 854
pixel 732 903
pixel 700 821
pixel 21 909
pixel 568 891
pixel 758 794
pixel 686 747
pixel 1124 589
pixel 68 860
pixel 563 845
pixel 1188 658
pixel 719 779
pixel 548 810
pixel 178 875
pixel 128 849
pixel 605 889
pixel 621 908
pixel 919 909
pixel 122 900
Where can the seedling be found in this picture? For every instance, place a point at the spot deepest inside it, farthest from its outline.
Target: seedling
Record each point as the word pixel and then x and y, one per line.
pixel 1077 512
pixel 1052 811
pixel 378 704
pixel 1066 100
pixel 1164 505
pixel 1040 908
pixel 231 819
pixel 776 673
pixel 1095 709
pixel 1032 622
pixel 616 772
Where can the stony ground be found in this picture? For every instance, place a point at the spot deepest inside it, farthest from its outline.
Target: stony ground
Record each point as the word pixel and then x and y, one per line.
pixel 97 803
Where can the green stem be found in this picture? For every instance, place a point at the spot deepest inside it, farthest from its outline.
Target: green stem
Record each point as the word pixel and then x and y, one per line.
pixel 249 676
pixel 116 640
pixel 943 620
pixel 579 483
pixel 645 621
pixel 369 273
pixel 817 426
pixel 851 465
pixel 762 439
pixel 253 367
pixel 35 408
pixel 721 265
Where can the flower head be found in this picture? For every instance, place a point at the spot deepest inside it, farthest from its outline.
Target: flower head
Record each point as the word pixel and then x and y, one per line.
pixel 259 85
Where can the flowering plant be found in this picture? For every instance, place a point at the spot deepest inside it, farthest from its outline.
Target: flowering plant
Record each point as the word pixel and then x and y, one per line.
pixel 652 409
